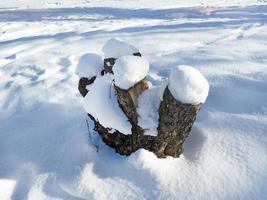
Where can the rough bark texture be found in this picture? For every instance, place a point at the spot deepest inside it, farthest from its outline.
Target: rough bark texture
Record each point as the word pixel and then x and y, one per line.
pixel 175 122
pixel 123 144
pixel 128 99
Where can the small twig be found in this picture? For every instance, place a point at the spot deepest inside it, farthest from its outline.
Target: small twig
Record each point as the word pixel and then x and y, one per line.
pixel 90 137
pixel 110 88
pixel 88 129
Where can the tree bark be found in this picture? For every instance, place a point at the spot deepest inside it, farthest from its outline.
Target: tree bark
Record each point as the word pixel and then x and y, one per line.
pixel 128 99
pixel 83 82
pixel 175 123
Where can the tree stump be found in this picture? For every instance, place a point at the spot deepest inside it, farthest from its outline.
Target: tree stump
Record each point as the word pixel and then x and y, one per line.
pixel 175 118
pixel 175 122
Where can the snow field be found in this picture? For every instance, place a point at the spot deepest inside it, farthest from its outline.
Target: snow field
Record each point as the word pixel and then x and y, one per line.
pixel 45 149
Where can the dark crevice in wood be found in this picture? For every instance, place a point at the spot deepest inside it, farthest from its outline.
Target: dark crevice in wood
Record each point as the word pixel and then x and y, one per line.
pixel 83 82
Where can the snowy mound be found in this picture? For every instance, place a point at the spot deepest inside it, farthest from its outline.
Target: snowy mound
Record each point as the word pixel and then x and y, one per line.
pixel 101 102
pixel 128 70
pixel 114 48
pixel 89 65
pixel 188 85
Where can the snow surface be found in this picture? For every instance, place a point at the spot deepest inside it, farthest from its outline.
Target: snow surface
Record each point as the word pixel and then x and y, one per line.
pixel 7 187
pixel 89 65
pixel 188 85
pixel 148 107
pixel 101 102
pixel 115 48
pixel 45 151
pixel 129 70
pixel 13 4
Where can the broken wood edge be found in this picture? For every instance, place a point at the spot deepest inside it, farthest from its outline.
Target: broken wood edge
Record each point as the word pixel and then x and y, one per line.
pixel 128 99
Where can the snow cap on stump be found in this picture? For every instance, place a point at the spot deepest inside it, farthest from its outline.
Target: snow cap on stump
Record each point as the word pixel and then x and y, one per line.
pixel 115 48
pixel 188 85
pixel 89 65
pixel 128 70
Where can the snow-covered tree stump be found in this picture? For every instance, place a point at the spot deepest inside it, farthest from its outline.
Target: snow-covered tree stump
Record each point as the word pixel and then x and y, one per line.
pixel 114 49
pixel 118 123
pixel 175 122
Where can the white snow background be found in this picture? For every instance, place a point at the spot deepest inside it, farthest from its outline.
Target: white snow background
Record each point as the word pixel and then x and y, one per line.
pixel 45 150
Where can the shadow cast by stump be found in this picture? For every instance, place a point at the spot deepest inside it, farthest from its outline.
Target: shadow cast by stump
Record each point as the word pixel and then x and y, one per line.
pixel 193 145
